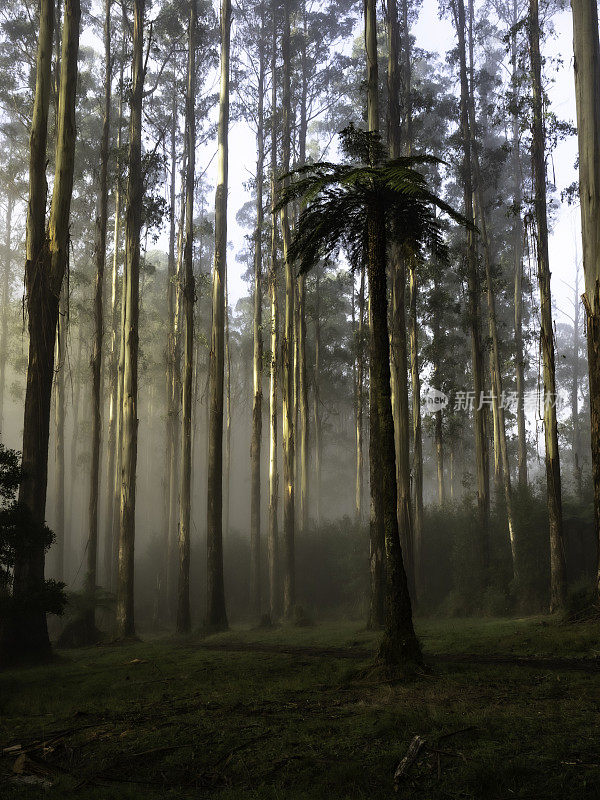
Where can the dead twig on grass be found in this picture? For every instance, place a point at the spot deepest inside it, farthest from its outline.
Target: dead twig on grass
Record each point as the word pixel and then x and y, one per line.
pixel 419 746
pixel 412 754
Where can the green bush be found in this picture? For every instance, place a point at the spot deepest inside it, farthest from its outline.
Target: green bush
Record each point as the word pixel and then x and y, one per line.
pixel 19 536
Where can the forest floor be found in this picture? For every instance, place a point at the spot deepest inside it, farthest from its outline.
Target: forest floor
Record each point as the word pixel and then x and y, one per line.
pixel 506 709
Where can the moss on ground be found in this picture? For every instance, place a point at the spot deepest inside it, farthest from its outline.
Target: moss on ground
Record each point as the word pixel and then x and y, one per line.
pixel 168 718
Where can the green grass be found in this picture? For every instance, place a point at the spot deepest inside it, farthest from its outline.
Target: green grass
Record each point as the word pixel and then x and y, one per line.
pixel 172 719
pixel 531 636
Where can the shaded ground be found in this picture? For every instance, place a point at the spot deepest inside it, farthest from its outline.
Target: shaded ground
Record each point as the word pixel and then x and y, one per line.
pixel 431 659
pixel 286 713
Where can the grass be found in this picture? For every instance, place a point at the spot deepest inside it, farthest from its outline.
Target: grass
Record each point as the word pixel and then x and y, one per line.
pixel 531 636
pixel 173 719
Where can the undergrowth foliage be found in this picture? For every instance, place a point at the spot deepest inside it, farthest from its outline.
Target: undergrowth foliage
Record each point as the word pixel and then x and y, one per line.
pixel 333 565
pixel 452 585
pixel 19 535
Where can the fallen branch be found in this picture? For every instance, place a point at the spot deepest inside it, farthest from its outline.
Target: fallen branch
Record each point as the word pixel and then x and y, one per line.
pixel 418 745
pixel 412 754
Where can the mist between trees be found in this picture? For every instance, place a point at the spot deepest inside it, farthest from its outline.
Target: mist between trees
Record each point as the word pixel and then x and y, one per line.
pixel 201 461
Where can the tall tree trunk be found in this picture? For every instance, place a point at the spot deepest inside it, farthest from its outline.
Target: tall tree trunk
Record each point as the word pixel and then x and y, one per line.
pixel 172 433
pixel 399 358
pixel 317 403
pixel 497 391
pixel 129 432
pixel 474 291
pixel 257 371
pixel 303 399
pixel 273 536
pixel 576 441
pixel 517 244
pixel 47 255
pixel 587 94
pixel 60 412
pixel 495 432
pixel 112 467
pixel 296 375
pixel 558 581
pixel 175 400
pixel 417 430
pixel 10 202
pixel 189 297
pixel 287 343
pixel 519 348
pixel 61 530
pixel 376 523
pixel 73 523
pixel 217 615
pixel 399 644
pixel 197 384
pixel 376 526
pixel 360 367
pixel 415 374
pixel 439 452
pixel 91 578
pixel 437 384
pixel 116 525
pixel 227 465
pixel 301 314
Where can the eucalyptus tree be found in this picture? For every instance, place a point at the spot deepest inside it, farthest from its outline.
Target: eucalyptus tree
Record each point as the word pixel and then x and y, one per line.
pixel 317 33
pixel 495 360
pixel 96 360
pixel 301 394
pixel 576 449
pixel 46 259
pixel 251 93
pixel 377 529
pixel 216 611
pixel 172 372
pixel 399 358
pixel 257 333
pixel 60 414
pixel 273 533
pixel 587 93
pixel 331 352
pixel 130 335
pixel 447 354
pixel 457 8
pixel 360 369
pixel 317 401
pixel 167 88
pixel 189 292
pixel 112 372
pixel 558 586
pixel 166 159
pixel 287 341
pixel 406 142
pixel 510 13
